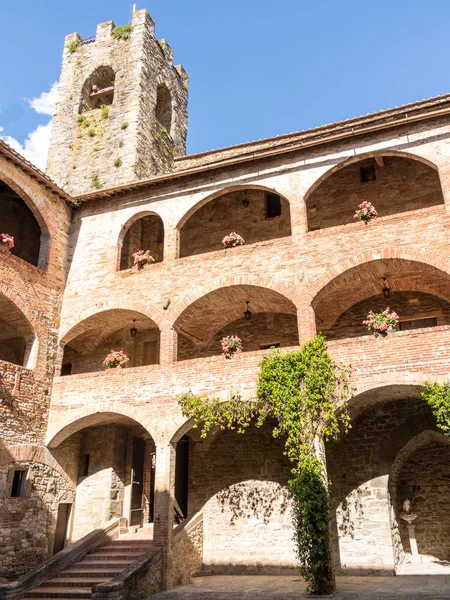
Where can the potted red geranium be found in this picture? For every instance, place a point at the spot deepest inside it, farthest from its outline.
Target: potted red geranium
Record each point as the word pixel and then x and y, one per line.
pixel 6 241
pixel 142 258
pixel 381 323
pixel 231 344
pixel 116 359
pixel 366 212
pixel 232 240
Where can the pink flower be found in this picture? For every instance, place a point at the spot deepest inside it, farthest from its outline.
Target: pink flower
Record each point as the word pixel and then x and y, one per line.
pixel 142 258
pixel 7 240
pixel 383 327
pixel 232 240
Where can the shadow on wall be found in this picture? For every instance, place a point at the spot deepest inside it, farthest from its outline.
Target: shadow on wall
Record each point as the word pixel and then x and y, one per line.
pixel 239 482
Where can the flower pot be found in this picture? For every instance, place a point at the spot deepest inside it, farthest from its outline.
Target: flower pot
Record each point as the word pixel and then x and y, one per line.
pixel 391 331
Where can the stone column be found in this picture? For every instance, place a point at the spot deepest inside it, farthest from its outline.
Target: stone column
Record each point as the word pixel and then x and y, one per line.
pixel 170 244
pixel 168 346
pixel 164 501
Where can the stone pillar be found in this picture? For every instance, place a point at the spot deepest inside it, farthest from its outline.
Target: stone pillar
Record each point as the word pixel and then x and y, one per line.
pixel 164 501
pixel 168 346
pixel 170 244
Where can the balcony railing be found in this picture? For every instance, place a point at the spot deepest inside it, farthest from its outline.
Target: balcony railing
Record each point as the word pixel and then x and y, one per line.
pixel 423 350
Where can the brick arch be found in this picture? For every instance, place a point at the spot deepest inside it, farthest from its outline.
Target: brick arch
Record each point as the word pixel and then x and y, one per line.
pixel 24 308
pixel 403 378
pixel 296 296
pixel 346 161
pixel 223 192
pixel 76 419
pixel 422 439
pixel 396 383
pixel 432 259
pixel 37 203
pixel 140 214
pixel 123 304
pixel 33 453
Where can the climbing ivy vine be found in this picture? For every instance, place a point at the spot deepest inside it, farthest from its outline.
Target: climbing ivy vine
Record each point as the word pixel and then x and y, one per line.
pixel 307 394
pixel 438 397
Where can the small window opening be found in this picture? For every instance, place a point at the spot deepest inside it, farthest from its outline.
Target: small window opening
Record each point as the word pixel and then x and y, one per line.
pixel 273 206
pixel 163 111
pixel 151 353
pixel 417 323
pixel 83 470
pixel 269 346
pixel 66 369
pixel 19 484
pixel 98 89
pixel 367 173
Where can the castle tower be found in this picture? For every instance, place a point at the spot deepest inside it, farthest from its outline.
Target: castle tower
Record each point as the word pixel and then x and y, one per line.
pixel 122 108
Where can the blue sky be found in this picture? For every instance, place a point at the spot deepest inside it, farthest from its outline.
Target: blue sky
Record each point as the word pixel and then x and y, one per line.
pixel 258 68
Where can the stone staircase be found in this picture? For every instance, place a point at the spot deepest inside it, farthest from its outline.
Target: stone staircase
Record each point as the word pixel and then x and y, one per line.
pixel 99 566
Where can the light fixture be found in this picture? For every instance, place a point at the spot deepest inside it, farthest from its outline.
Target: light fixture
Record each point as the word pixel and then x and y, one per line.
pixel 133 330
pixel 247 311
pixel 245 202
pixel 386 289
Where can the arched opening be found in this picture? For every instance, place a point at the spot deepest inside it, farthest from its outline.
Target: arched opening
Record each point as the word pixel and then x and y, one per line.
pixel 89 342
pixel 271 321
pixel 239 483
pixel 16 219
pixel 111 458
pixel 393 184
pixel 417 292
pixel 98 89
pixel 163 110
pixel 17 338
pixel 255 214
pixel 360 465
pixel 419 472
pixel 144 233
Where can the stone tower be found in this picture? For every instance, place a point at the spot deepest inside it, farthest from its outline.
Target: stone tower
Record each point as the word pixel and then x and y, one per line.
pixel 122 109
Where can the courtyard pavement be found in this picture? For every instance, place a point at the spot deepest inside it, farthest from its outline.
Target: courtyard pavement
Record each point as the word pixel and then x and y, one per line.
pixel 287 587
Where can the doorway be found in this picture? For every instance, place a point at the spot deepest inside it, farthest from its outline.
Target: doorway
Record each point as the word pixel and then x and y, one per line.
pixel 137 480
pixel 62 527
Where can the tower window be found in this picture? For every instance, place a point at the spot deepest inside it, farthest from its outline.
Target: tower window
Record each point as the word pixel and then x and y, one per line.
pixel 273 206
pixel 163 111
pixel 19 483
pixel 98 89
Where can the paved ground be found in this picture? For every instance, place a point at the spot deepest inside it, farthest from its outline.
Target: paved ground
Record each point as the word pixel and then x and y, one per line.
pixel 228 587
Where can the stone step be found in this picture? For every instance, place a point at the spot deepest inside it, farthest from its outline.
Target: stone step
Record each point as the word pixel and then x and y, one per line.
pixel 103 565
pixel 84 581
pixel 60 592
pixel 140 541
pixel 129 547
pixel 109 556
pixel 84 573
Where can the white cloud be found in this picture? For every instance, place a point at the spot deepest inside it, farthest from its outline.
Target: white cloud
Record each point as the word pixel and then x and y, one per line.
pixel 46 102
pixel 35 146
